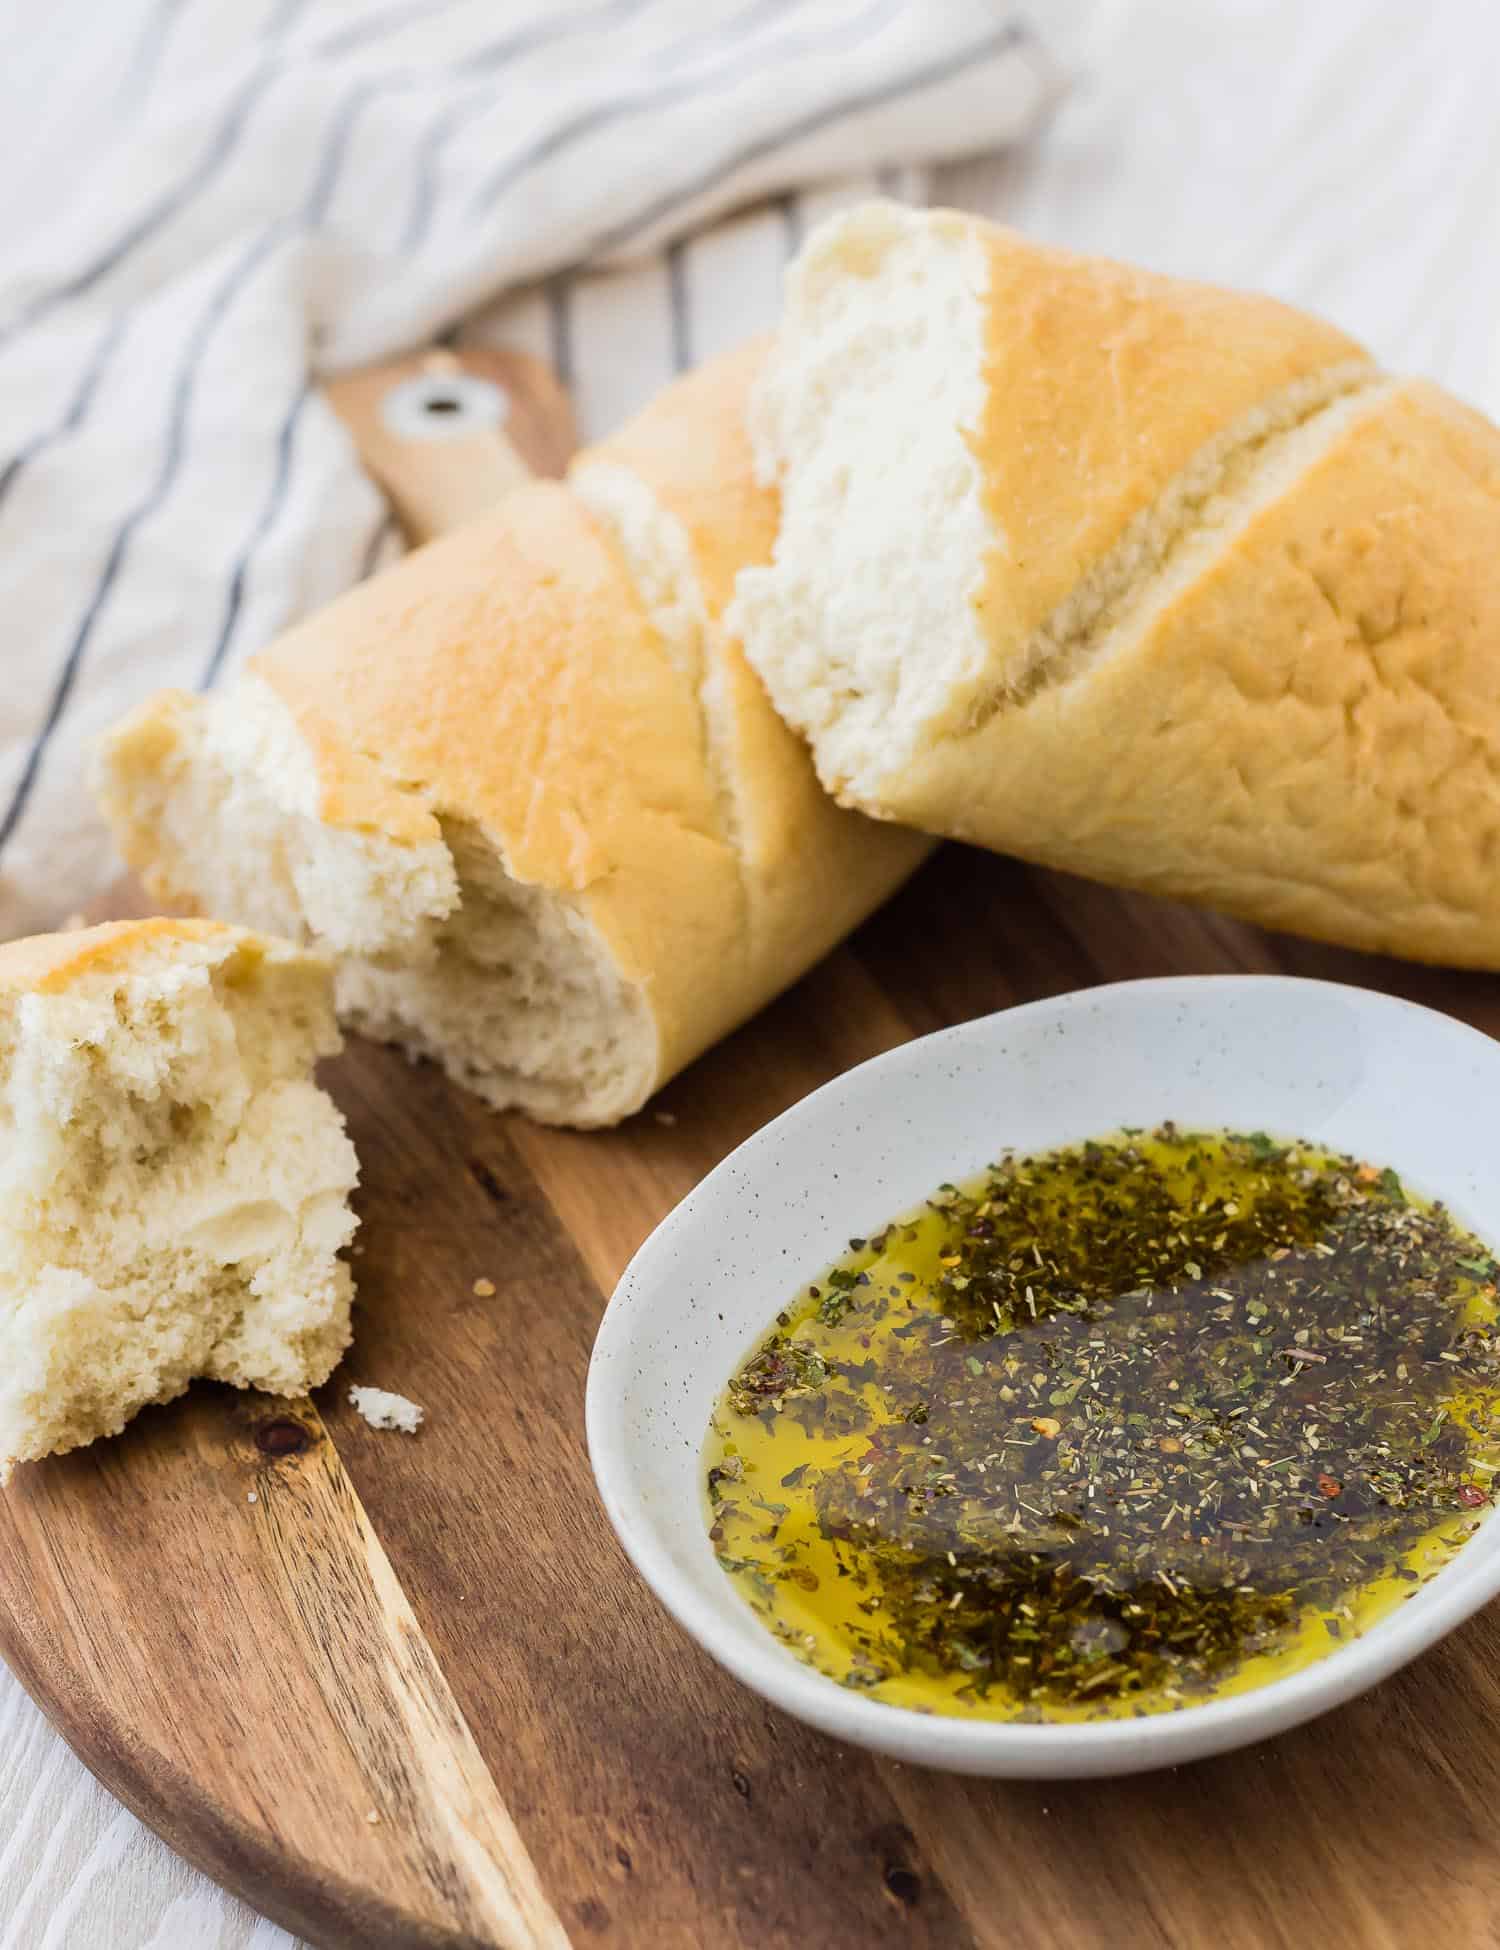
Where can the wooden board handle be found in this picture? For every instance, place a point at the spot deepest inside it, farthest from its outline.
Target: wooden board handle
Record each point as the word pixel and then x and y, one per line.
pixel 447 433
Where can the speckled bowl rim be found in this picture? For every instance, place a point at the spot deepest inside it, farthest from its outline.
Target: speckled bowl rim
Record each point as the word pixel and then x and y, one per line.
pixel 735 1637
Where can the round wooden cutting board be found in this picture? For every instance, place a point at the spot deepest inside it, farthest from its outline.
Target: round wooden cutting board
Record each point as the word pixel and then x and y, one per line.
pixel 407 1692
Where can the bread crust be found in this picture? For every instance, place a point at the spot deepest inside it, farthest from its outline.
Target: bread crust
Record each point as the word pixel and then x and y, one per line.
pixel 1101 382
pixel 1307 734
pixel 811 869
pixel 691 446
pixel 47 964
pixel 506 677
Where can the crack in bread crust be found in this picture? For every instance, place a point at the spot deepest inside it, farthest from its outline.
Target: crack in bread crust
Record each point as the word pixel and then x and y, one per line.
pixel 1220 489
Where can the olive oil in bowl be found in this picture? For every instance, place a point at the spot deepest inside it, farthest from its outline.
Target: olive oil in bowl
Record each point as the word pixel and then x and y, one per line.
pixel 1114 1429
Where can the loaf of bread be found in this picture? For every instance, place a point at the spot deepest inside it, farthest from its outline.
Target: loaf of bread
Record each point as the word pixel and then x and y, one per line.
pixel 524 785
pixel 1155 583
pixel 173 1196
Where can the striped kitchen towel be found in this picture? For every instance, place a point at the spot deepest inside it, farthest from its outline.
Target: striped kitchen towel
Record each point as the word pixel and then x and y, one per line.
pixel 207 207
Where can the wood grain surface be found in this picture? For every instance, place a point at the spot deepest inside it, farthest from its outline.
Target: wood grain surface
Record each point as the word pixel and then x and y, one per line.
pixel 249 1679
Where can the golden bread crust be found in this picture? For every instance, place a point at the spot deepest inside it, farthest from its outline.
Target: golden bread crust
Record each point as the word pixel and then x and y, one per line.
pixel 509 679
pixel 1101 382
pixel 813 869
pixel 47 964
pixel 1308 733
pixel 505 675
pixel 691 447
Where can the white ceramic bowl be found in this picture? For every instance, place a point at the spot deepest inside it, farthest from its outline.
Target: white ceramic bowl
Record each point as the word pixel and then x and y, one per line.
pixel 1360 1072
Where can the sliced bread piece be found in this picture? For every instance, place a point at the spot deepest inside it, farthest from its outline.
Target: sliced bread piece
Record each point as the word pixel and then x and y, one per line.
pixel 1160 584
pixel 173 1183
pixel 978 444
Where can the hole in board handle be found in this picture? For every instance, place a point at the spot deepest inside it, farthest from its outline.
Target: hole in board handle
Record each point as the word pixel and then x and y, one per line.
pixel 444 406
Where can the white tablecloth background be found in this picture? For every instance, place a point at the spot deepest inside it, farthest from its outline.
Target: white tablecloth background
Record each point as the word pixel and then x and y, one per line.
pixel 1344 155
pixel 214 205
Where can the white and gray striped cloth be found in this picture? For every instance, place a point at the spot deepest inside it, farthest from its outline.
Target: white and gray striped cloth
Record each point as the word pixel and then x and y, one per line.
pixel 206 207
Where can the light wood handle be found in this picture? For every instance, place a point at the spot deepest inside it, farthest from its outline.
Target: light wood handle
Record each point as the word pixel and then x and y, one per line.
pixel 447 433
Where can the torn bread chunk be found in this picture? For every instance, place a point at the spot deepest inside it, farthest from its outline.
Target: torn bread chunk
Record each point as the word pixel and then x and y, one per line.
pixel 1156 583
pixel 173 1183
pixel 519 786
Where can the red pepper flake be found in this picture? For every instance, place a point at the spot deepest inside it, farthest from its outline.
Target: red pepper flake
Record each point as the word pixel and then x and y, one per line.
pixel 1328 1487
pixel 1471 1496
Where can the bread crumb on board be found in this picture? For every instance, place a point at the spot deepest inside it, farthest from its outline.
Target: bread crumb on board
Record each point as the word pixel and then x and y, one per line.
pixel 383 1410
pixel 484 1288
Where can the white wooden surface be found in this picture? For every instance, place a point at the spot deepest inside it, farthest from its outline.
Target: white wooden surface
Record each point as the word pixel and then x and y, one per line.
pixel 1344 155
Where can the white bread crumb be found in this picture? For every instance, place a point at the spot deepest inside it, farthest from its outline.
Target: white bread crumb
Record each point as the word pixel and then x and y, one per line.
pixel 864 623
pixel 383 1410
